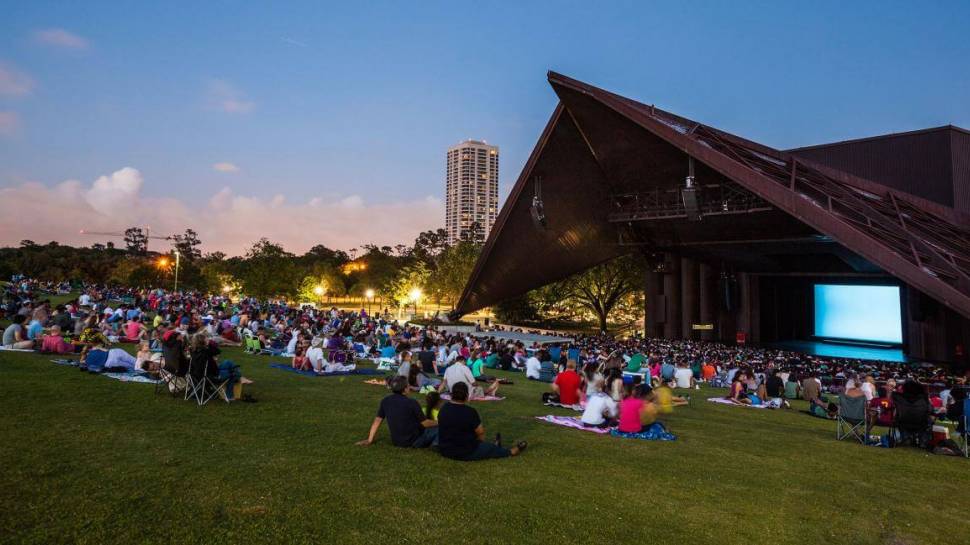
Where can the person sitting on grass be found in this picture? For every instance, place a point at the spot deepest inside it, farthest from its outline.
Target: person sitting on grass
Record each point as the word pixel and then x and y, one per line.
pixel 566 387
pixel 418 380
pixel 15 336
pixel 408 424
pixel 737 392
pixel 461 434
pixel 601 410
pixel 637 409
pixel 432 405
pixel 135 331
pixel 775 391
pixel 458 373
pixel 54 343
pixel 314 354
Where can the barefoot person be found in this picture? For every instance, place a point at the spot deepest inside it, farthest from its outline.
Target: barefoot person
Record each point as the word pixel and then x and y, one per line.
pixel 461 434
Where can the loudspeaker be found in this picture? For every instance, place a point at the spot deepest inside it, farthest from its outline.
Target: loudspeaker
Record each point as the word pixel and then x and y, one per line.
pixel 538 214
pixel 691 206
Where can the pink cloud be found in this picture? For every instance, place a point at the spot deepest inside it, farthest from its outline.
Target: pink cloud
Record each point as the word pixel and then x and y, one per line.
pixel 14 82
pixel 222 95
pixel 227 222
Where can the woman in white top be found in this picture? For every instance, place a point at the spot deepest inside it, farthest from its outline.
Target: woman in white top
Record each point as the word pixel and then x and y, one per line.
pixel 601 410
pixel 315 354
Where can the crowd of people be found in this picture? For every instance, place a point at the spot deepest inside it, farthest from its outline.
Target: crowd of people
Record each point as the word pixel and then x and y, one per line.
pixel 623 383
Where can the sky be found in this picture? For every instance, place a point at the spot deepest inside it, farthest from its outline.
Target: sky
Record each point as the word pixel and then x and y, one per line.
pixel 327 123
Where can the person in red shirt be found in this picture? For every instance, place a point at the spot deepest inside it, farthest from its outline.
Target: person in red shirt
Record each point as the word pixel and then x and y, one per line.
pixel 567 384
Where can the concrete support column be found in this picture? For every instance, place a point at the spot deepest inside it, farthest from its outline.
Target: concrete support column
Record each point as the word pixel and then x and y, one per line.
pixel 672 293
pixel 750 307
pixel 689 297
pixel 707 295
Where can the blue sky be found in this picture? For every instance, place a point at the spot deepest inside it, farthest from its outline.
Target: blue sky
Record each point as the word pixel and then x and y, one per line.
pixel 345 101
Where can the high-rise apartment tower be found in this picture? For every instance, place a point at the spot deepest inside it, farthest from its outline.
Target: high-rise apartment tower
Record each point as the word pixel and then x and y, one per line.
pixel 471 190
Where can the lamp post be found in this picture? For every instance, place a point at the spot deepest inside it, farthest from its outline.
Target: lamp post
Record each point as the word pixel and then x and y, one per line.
pixel 319 291
pixel 415 296
pixel 177 255
pixel 369 294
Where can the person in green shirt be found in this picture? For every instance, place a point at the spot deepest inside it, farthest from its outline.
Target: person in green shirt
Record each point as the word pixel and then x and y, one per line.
pixel 478 367
pixel 635 363
pixel 492 360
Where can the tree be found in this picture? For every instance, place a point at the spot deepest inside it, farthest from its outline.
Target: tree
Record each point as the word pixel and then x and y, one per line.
pixel 474 234
pixel 428 245
pixel 601 288
pixel 409 278
pixel 136 241
pixel 453 267
pixel 186 245
pixel 27 243
pixel 268 271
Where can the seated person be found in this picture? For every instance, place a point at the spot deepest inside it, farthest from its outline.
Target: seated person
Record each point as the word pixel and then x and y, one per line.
pixel 533 368
pixel 458 373
pixel 408 425
pixel 665 399
pixel 567 385
pixel 15 336
pixel 684 376
pixel 635 363
pixel 314 354
pixel 173 352
pixel 300 360
pixel 54 343
pixel 146 360
pixel 738 395
pixel 881 407
pixel 636 410
pixel 417 379
pixel 601 410
pixel 34 330
pixel 135 331
pixel 774 389
pixel 461 434
pixel 478 368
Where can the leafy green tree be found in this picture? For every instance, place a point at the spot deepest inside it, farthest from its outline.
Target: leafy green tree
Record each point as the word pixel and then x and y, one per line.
pixel 268 271
pixel 410 278
pixel 453 267
pixel 601 288
pixel 187 245
pixel 136 241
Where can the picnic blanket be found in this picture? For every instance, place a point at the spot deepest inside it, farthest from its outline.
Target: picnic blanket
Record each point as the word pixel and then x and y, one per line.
pixel 447 397
pixel 71 363
pixel 654 432
pixel 15 349
pixel 571 422
pixel 131 376
pixel 723 401
pixel 285 367
pixel 577 407
pixel 376 382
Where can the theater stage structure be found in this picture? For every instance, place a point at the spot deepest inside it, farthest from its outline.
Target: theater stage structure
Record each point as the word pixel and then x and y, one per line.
pixel 736 234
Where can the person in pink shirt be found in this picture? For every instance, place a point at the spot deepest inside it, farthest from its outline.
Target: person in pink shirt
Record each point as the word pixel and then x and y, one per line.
pixel 54 343
pixel 636 410
pixel 135 330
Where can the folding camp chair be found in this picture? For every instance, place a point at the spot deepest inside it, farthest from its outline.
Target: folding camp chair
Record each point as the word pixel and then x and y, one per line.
pixel 201 387
pixel 911 421
pixel 169 381
pixel 852 419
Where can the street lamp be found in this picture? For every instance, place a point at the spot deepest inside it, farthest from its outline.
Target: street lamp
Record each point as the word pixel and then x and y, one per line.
pixel 177 255
pixel 162 262
pixel 369 294
pixel 415 296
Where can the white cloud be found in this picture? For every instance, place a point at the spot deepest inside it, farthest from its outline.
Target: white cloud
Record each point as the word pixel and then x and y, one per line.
pixel 222 95
pixel 225 167
pixel 9 123
pixel 59 37
pixel 14 82
pixel 226 222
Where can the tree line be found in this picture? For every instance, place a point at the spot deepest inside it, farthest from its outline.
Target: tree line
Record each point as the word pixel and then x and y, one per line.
pixel 392 275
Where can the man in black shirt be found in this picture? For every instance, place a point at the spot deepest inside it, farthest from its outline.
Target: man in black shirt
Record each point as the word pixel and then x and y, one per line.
pixel 407 423
pixel 775 391
pixel 426 357
pixel 460 431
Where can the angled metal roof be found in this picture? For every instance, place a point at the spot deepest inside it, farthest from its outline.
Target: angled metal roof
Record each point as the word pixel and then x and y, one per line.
pixel 598 145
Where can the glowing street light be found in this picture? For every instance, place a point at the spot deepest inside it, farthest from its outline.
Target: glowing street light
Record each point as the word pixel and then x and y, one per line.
pixel 415 297
pixel 318 290
pixel 226 289
pixel 369 294
pixel 162 262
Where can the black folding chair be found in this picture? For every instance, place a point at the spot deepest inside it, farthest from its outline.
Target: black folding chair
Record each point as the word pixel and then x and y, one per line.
pixel 912 422
pixel 852 419
pixel 200 386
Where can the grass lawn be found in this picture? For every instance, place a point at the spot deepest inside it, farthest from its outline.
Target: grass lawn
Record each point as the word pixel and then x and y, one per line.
pixel 91 460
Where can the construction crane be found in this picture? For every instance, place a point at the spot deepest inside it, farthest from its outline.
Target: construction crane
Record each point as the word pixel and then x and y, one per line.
pixel 121 234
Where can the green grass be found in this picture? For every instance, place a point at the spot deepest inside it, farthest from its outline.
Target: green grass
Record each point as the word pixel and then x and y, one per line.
pixel 90 460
